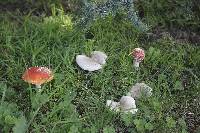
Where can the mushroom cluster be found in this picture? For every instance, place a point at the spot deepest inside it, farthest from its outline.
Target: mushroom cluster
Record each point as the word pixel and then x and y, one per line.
pixel 126 105
pixel 41 75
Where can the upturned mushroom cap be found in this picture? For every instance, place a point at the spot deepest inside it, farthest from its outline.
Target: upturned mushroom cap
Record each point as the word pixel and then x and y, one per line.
pixel 99 57
pixel 37 75
pixel 86 63
pixel 138 54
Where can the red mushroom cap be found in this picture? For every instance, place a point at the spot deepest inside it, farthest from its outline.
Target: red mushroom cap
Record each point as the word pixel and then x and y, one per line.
pixel 138 54
pixel 37 75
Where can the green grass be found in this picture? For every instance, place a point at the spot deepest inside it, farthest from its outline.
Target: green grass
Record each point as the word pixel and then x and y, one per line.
pixel 75 100
pixel 176 14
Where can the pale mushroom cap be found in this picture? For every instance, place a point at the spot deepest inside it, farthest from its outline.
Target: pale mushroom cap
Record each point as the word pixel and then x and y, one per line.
pixel 87 63
pixel 113 105
pixel 37 75
pixel 133 111
pixel 99 57
pixel 140 89
pixel 138 54
pixel 127 103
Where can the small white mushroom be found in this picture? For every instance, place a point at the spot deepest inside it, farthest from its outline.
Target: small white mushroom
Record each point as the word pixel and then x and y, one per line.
pixel 93 63
pixel 127 104
pixel 99 57
pixel 140 89
pixel 113 105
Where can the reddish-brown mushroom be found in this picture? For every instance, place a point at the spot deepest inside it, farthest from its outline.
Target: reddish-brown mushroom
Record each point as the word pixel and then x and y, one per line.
pixel 37 75
pixel 138 55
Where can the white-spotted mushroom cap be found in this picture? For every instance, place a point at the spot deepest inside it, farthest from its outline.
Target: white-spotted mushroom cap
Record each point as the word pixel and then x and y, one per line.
pixel 127 104
pixel 140 89
pixel 138 55
pixel 37 75
pixel 112 105
pixel 99 57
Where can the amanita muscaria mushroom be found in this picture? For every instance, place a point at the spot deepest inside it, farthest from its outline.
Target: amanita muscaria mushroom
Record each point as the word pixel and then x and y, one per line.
pixel 37 75
pixel 138 55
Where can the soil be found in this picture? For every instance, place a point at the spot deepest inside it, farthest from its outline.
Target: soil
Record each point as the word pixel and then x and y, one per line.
pixel 180 36
pixel 21 6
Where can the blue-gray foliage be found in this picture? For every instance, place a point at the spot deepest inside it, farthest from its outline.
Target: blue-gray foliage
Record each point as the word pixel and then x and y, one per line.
pixel 92 11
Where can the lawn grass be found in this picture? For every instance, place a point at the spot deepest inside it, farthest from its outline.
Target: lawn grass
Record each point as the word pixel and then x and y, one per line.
pixel 177 14
pixel 75 100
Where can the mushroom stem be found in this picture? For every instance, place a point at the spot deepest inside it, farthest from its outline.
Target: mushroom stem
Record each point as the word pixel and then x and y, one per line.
pixel 38 86
pixel 136 64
